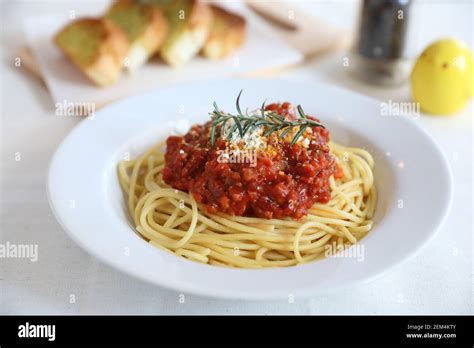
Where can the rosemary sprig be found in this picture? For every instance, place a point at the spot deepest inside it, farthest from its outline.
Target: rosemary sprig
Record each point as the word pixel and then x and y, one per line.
pixel 272 122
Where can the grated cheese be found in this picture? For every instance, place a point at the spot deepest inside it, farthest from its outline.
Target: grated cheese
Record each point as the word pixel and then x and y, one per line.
pixel 253 139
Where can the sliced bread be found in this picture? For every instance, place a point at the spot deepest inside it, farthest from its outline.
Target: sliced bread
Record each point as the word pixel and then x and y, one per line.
pixel 97 47
pixel 145 26
pixel 226 35
pixel 189 24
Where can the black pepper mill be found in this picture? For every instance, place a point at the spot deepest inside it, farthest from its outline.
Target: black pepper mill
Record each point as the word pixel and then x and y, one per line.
pixel 380 52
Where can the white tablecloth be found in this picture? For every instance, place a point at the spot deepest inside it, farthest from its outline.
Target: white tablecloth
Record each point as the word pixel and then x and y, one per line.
pixel 66 280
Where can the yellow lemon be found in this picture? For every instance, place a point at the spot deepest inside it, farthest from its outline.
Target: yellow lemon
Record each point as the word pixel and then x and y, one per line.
pixel 442 79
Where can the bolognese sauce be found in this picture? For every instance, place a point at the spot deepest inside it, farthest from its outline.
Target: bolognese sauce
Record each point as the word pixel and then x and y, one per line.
pixel 285 180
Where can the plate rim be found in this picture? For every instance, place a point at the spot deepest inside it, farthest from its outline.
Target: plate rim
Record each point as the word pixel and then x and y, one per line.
pixel 308 291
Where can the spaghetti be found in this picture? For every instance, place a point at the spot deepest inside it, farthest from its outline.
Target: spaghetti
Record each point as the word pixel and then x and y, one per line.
pixel 172 220
pixel 303 199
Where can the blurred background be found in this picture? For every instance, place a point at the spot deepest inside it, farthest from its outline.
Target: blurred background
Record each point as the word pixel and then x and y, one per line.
pixel 327 38
pixel 359 45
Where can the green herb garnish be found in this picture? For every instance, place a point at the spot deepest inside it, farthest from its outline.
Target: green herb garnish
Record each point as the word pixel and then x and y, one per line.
pixel 273 122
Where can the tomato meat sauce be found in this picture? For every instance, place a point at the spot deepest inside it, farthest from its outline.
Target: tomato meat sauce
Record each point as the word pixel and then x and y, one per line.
pixel 285 181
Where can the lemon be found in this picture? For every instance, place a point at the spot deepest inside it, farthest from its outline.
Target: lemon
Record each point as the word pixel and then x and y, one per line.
pixel 442 79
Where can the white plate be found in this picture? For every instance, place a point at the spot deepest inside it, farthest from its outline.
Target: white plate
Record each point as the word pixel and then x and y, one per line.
pixel 413 180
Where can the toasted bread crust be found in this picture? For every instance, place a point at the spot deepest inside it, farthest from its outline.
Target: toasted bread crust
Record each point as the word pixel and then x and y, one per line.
pixel 104 68
pixel 116 43
pixel 221 43
pixel 200 16
pixel 155 34
pixel 115 46
pixel 177 51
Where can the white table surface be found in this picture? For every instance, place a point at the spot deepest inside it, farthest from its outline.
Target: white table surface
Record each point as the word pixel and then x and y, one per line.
pixel 438 280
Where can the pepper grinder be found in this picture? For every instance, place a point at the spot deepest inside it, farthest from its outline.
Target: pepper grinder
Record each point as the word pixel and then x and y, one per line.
pixel 380 53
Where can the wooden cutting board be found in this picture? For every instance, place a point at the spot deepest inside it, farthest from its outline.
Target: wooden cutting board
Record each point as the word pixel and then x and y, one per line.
pixel 310 35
